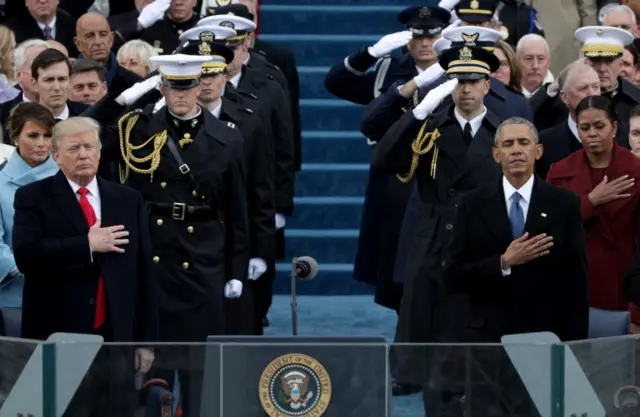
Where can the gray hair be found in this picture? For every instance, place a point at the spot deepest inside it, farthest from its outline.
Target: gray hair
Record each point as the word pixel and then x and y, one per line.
pixel 142 49
pixel 531 37
pixel 20 53
pixel 576 67
pixel 612 8
pixel 515 121
pixel 74 126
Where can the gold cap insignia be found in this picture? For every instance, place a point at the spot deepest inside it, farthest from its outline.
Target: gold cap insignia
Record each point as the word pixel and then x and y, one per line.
pixel 470 39
pixel 223 2
pixel 227 24
pixel 424 12
pixel 475 4
pixel 207 37
pixel 600 32
pixel 466 54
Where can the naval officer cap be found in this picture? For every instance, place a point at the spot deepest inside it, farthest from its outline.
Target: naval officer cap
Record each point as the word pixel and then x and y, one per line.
pixel 425 20
pixel 208 41
pixel 198 40
pixel 472 36
pixel 180 71
pixel 468 63
pixel 441 45
pixel 241 25
pixel 476 11
pixel 603 42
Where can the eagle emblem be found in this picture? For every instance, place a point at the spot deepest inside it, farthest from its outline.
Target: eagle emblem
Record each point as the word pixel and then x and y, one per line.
pixel 295 385
pixel 205 43
pixel 470 39
pixel 227 24
pixel 466 54
pixel 475 4
pixel 599 32
pixel 424 12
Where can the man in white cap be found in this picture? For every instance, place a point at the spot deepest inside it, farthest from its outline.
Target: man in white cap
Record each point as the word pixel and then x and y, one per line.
pixel 189 167
pixel 275 101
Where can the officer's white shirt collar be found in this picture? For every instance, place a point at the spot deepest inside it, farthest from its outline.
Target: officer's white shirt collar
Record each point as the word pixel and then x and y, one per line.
pixel 198 111
pixel 217 110
pixel 547 79
pixel 65 113
pixel 573 127
pixel 475 122
pixel 525 193
pixel 52 26
pixel 235 80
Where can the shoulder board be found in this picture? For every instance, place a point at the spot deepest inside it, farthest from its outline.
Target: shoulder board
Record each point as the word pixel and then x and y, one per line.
pixel 248 94
pixel 246 110
pixel 231 125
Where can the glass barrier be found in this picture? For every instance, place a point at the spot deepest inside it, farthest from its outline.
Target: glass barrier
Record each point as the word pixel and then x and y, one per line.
pixel 75 375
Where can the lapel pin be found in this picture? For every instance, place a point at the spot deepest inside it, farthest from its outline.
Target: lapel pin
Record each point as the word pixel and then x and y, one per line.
pixel 543 214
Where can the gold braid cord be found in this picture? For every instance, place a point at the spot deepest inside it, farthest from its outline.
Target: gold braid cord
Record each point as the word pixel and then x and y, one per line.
pixel 422 145
pixel 126 149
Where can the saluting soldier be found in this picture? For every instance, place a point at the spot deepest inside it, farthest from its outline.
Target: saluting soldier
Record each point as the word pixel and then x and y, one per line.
pixel 189 167
pixel 351 79
pixel 276 104
pixel 163 34
pixel 449 154
pixel 260 162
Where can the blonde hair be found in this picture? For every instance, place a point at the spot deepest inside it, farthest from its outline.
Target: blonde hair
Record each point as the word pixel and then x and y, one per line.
pixel 7 42
pixel 73 126
pixel 142 49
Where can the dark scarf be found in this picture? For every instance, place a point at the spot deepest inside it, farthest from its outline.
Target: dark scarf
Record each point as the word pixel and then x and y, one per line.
pixel 111 69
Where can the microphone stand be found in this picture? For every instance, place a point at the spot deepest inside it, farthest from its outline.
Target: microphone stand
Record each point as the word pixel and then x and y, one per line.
pixel 294 303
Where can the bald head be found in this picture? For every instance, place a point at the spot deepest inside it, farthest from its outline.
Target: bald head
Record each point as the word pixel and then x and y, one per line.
pixel 60 47
pixel 94 37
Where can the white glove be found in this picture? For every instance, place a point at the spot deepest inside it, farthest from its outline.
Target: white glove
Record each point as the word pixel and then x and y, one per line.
pixel 257 267
pixel 429 75
pixel 390 43
pixel 160 104
pixel 233 289
pixel 143 359
pixel 448 4
pixel 139 89
pixel 433 99
pixel 280 221
pixel 153 12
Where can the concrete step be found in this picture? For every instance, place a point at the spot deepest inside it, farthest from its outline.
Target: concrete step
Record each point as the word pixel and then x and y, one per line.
pixel 327 213
pixel 325 245
pixel 335 147
pixel 312 82
pixel 339 180
pixel 330 114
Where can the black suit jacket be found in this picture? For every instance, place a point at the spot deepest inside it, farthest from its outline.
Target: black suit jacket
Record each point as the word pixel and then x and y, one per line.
pixel 25 27
pixel 51 248
pixel 546 294
pixel 558 142
pixel 5 110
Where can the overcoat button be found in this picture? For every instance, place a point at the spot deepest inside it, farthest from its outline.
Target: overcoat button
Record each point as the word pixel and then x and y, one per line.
pixel 159 222
pixel 92 301
pixel 190 229
pixel 156 259
pixel 452 191
pixel 449 226
pixel 194 193
pixel 185 265
pixel 163 184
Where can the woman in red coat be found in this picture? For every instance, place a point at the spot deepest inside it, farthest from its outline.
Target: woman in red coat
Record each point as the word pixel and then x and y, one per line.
pixel 606 176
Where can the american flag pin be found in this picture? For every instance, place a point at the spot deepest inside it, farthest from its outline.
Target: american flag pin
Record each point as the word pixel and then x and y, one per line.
pixel 543 214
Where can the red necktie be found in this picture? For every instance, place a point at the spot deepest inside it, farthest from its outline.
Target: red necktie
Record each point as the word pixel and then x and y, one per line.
pixel 101 298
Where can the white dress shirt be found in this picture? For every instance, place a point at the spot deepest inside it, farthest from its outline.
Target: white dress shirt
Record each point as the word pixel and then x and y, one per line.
pixel 65 113
pixel 235 80
pixel 476 122
pixel 573 127
pixel 525 200
pixel 51 24
pixel 93 195
pixel 217 110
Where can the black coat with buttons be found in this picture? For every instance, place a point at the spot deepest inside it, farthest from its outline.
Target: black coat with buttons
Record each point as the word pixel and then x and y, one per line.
pixel 194 258
pixel 458 169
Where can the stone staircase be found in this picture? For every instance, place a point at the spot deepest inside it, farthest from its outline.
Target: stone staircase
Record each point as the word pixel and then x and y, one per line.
pixel 330 188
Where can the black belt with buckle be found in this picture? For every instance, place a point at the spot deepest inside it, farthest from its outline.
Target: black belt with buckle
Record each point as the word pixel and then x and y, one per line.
pixel 181 211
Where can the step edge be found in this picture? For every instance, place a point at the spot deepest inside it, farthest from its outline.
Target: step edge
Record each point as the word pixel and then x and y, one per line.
pixel 328 201
pixel 329 102
pixel 322 233
pixel 332 134
pixel 330 8
pixel 322 267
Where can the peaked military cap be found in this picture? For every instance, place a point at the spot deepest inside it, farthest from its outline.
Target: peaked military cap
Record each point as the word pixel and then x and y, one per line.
pixel 241 25
pixel 603 41
pixel 476 11
pixel 198 40
pixel 180 71
pixel 472 36
pixel 469 63
pixel 425 20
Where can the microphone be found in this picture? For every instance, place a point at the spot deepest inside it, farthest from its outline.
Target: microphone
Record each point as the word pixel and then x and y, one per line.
pixel 304 268
pixel 627 401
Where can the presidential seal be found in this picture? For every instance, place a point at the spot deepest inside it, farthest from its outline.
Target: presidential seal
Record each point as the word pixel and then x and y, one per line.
pixel 295 385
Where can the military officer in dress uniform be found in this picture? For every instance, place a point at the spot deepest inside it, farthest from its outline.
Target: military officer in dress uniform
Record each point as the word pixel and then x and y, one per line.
pixel 260 162
pixel 189 167
pixel 449 153
pixel 350 80
pixel 275 102
pixel 603 47
pixel 163 34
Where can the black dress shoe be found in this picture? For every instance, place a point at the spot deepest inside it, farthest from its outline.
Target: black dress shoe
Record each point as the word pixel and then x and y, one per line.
pixel 400 390
pixel 265 322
